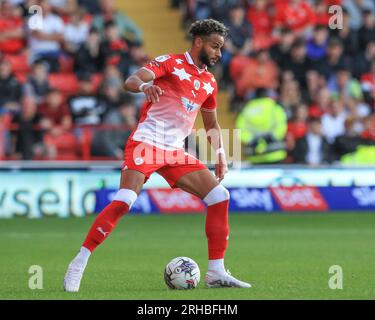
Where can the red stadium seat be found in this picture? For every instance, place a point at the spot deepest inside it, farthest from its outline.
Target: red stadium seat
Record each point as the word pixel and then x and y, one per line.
pixel 19 62
pixel 236 65
pixel 65 82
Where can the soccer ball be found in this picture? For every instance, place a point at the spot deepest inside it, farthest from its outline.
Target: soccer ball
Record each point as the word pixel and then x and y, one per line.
pixel 182 273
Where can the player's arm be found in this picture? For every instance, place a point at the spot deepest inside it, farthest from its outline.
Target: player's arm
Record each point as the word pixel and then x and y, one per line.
pixel 140 82
pixel 214 136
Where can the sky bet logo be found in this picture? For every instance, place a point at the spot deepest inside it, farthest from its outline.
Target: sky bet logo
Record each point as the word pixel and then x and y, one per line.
pixel 189 105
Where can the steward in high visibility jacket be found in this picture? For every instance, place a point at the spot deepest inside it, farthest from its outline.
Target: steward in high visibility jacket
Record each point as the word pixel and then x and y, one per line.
pixel 263 124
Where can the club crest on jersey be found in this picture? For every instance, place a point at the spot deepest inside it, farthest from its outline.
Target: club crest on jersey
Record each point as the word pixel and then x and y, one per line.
pixel 162 58
pixel 197 84
pixel 189 105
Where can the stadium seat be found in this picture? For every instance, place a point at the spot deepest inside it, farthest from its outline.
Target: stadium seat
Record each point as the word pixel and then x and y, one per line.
pixel 236 65
pixel 18 62
pixel 65 82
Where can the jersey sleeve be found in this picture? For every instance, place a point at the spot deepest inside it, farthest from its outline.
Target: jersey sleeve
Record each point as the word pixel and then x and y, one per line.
pixel 210 104
pixel 160 66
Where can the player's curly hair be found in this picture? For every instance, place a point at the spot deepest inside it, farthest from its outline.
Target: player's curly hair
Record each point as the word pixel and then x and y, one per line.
pixel 207 27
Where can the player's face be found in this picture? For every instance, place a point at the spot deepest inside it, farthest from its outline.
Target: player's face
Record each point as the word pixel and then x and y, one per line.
pixel 210 53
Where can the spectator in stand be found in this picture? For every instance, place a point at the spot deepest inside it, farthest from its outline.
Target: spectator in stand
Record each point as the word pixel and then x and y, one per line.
pixel 263 126
pixel 126 27
pixel 112 74
pixel 112 94
pixel 357 110
pixel 138 57
pixel 334 59
pixel 366 33
pixel 260 18
pixel 85 107
pixel 299 64
pixel 64 8
pixel 368 85
pixel 347 35
pixel 37 83
pixel 315 82
pixel 239 36
pixel 350 140
pixel 258 72
pixel 344 86
pixel 110 142
pixel 333 122
pixel 297 126
pixel 28 136
pixel 216 9
pixel 369 128
pixel 89 57
pixel 316 47
pixel 45 44
pixel 322 15
pixel 290 96
pixel 296 15
pixel 313 148
pixel 11 29
pixel 76 31
pixel 362 63
pixel 280 52
pixel 56 121
pixel 10 89
pixel 320 103
pixel 355 9
pixel 115 49
pixel 92 6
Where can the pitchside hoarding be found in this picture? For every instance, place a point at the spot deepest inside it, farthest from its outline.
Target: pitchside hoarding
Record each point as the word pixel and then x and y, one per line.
pixel 66 193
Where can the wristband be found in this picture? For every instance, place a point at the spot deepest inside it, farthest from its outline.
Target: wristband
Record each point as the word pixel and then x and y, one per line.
pixel 220 151
pixel 140 88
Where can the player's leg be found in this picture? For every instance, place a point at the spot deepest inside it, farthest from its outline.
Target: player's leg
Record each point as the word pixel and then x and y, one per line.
pixel 204 185
pixel 130 186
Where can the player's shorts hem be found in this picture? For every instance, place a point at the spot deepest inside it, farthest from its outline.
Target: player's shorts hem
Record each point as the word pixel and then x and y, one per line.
pixel 172 184
pixel 208 110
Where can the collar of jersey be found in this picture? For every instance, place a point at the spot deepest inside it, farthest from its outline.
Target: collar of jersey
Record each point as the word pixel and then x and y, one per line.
pixel 189 59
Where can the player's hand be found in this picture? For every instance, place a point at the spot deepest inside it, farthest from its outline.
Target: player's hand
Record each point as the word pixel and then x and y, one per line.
pixel 152 93
pixel 221 167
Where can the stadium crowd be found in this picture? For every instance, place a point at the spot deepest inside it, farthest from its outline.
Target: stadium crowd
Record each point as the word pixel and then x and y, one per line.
pixel 301 78
pixel 303 90
pixel 63 78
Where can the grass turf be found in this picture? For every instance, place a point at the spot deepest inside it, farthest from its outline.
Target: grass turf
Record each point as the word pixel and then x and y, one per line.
pixel 284 256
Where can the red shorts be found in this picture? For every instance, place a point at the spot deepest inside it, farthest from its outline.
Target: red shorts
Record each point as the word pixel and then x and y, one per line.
pixel 171 165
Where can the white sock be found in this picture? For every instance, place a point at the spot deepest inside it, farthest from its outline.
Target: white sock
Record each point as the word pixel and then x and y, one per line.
pixel 83 256
pixel 216 266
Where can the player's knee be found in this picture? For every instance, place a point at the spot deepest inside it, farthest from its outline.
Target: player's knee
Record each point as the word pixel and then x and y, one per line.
pixel 126 195
pixel 216 195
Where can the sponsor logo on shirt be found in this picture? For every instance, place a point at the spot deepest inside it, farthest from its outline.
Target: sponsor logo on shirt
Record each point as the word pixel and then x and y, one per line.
pixel 197 84
pixel 189 105
pixel 162 58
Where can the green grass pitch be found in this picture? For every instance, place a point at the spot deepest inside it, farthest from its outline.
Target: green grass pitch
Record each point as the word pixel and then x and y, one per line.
pixel 284 256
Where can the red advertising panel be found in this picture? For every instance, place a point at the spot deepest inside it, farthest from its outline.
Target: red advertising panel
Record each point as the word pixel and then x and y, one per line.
pixel 176 201
pixel 301 198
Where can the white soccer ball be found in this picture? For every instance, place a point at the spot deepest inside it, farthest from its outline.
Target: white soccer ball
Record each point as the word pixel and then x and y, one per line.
pixel 182 273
